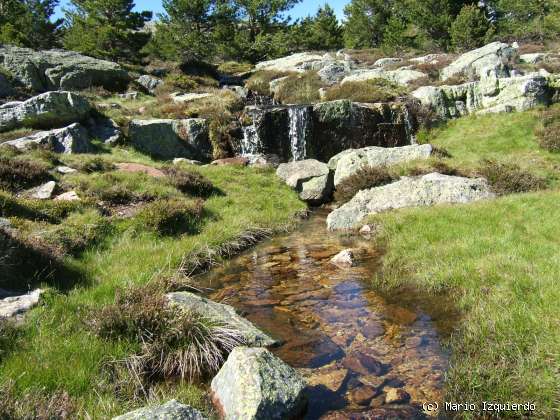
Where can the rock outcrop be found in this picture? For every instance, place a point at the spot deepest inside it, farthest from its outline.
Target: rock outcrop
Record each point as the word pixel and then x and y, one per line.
pixel 171 410
pixel 169 139
pixel 71 139
pixel 496 57
pixel 402 76
pixel 324 129
pixel 224 314
pixel 149 83
pixel 490 94
pixel 43 71
pixel 350 161
pixel 6 89
pixel 48 110
pixel 254 384
pixel 427 190
pixel 311 178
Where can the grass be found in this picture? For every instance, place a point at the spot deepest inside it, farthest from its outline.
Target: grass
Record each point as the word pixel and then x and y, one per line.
pixel 300 89
pixel 496 260
pixel 504 138
pixel 259 82
pixel 499 262
pixel 56 351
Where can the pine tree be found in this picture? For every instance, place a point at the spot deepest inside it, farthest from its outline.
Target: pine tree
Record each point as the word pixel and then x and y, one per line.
pixel 106 29
pixel 470 29
pixel 184 32
pixel 325 33
pixel 525 18
pixel 433 18
pixel 366 21
pixel 28 23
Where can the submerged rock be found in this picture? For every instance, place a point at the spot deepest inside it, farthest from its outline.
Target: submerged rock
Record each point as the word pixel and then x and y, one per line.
pixel 169 139
pixel 311 178
pixel 71 139
pixel 396 396
pixel 350 161
pixel 224 314
pixel 46 70
pixel 254 384
pixel 48 110
pixel 171 410
pixel 497 57
pixel 427 190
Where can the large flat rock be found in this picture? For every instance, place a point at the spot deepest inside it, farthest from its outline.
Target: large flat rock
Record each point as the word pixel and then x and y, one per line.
pixel 71 139
pixel 42 71
pixel 48 110
pixel 427 190
pixel 224 314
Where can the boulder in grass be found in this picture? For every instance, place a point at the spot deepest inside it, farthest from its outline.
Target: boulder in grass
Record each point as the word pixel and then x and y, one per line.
pixel 71 139
pixel 48 110
pixel 169 139
pixel 149 83
pixel 42 192
pixel 171 410
pixel 13 306
pixel 224 314
pixel 422 191
pixel 254 384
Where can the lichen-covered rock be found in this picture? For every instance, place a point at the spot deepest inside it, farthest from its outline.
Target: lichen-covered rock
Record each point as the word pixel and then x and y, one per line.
pixel 48 110
pixel 42 192
pixel 171 410
pixel 334 72
pixel 12 306
pixel 497 57
pixel 402 76
pixel 387 61
pixel 254 384
pixel 490 94
pixel 310 178
pixel 169 139
pixel 105 130
pixel 534 58
pixel 427 190
pixel 71 139
pixel 42 71
pixel 149 83
pixel 224 314
pixel 350 161
pixel 296 62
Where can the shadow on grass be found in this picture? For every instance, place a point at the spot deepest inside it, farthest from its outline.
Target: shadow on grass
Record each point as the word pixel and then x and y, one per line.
pixel 24 266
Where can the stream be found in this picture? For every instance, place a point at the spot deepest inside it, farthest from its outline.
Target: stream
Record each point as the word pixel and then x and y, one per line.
pixel 351 343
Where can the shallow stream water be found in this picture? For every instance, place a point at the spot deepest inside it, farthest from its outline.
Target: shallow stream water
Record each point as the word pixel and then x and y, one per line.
pixel 351 343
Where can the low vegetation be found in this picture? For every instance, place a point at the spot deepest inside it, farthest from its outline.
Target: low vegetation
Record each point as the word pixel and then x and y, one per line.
pixel 365 178
pixel 18 173
pixel 299 89
pixel 548 132
pixel 376 90
pixel 171 217
pixel 190 182
pixel 259 82
pixel 508 178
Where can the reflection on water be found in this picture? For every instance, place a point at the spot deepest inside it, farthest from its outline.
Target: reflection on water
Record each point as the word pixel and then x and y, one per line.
pixel 357 349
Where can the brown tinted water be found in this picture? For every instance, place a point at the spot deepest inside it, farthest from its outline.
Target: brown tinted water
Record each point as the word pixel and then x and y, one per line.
pixel 351 343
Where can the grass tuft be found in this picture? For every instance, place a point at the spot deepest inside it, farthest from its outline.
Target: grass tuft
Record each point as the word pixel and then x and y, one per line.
pixel 507 178
pixel 376 90
pixel 19 173
pixel 190 182
pixel 365 178
pixel 171 217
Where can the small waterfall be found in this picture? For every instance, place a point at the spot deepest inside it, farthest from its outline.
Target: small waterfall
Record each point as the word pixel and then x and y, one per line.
pixel 408 125
pixel 250 144
pixel 300 118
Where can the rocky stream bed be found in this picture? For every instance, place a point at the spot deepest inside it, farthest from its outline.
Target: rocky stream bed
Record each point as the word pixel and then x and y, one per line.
pixel 359 351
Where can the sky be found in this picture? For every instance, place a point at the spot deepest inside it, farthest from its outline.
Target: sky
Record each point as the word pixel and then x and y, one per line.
pixel 303 9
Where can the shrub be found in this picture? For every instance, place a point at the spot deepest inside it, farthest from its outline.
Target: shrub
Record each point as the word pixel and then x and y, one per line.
pixel 259 82
pixel 171 217
pixel 39 210
pixel 94 164
pixel 173 342
pixel 365 178
pixel 20 173
pixel 436 166
pixel 470 28
pixel 376 90
pixel 189 182
pixel 548 133
pixel 77 233
pixel 505 178
pixel 300 89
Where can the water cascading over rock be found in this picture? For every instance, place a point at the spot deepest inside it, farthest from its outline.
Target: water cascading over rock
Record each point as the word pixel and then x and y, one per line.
pixel 322 130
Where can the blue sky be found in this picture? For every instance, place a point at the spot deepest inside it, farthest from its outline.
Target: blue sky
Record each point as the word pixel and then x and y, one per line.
pixel 306 7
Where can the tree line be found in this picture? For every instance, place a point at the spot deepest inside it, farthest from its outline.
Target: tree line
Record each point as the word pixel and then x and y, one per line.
pixel 254 30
